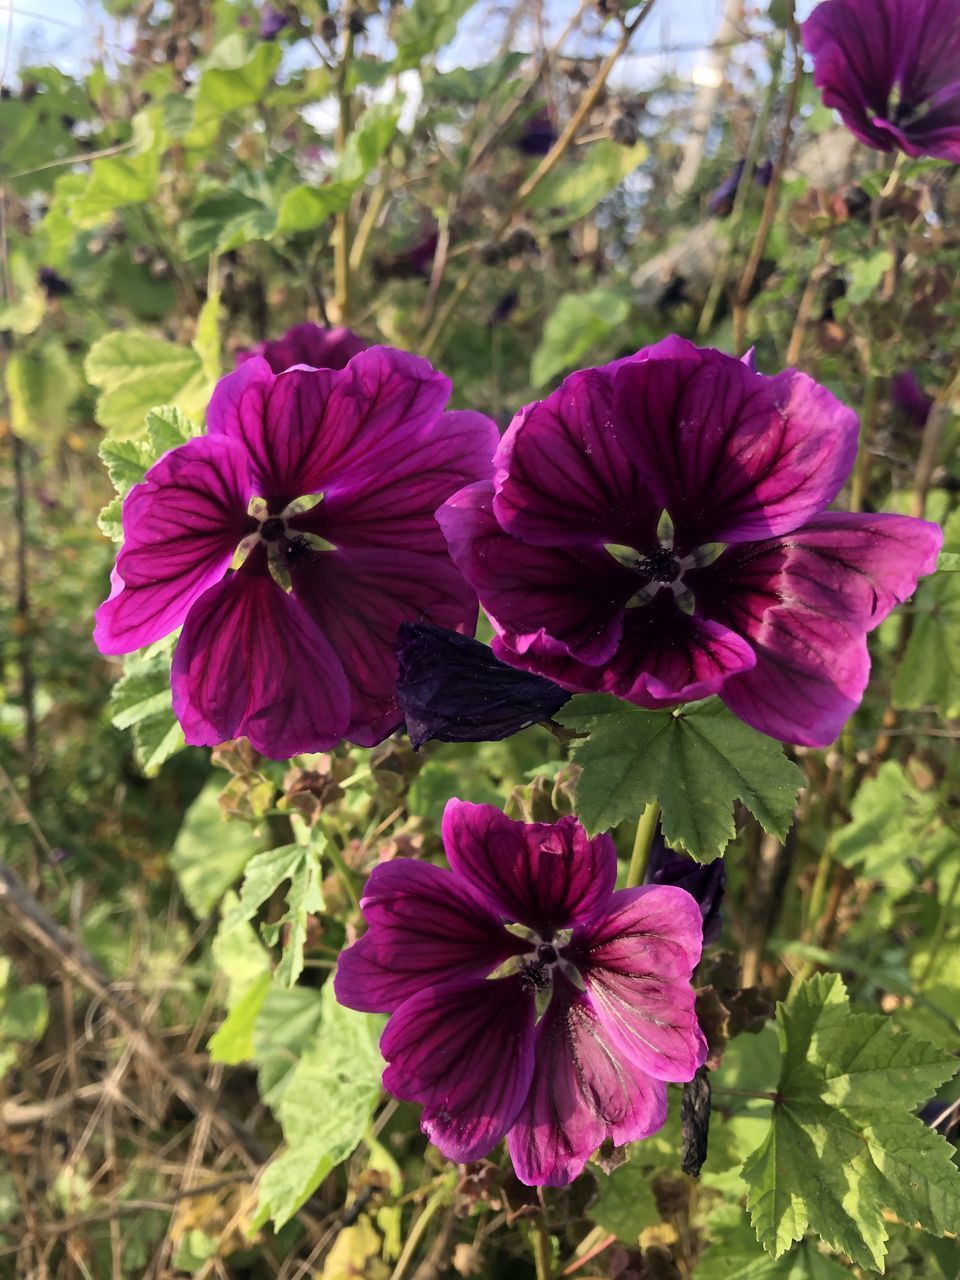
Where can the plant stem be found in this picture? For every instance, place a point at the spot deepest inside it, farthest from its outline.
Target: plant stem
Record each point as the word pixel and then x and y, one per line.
pixel 418 1230
pixel 343 871
pixel 542 1253
pixel 341 252
pixel 642 843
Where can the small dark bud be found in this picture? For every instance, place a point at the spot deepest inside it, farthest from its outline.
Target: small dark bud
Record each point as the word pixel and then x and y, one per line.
pixel 272 22
pixel 505 307
pixel 856 202
pixel 624 130
pixel 703 881
pixel 356 24
pixel 452 689
pixel 52 284
pixel 695 1122
pixel 328 28
pixel 910 399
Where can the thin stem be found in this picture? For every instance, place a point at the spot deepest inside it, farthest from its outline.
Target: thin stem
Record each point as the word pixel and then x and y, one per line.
pixel 944 917
pixel 418 1230
pixel 341 253
pixel 542 1253
pixel 367 223
pixel 642 843
pixel 764 1094
pixel 439 330
pixel 343 871
pixel 860 481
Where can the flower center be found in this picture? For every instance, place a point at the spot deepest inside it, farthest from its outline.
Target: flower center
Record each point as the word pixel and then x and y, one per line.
pixel 662 568
pixel 273 529
pixel 661 565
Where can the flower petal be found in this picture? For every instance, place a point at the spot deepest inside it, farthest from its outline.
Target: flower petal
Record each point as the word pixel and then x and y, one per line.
pixel 562 476
pixel 665 656
pixel 422 924
pixel 546 876
pixel 805 602
pixel 251 662
pixel 181 527
pixel 583 1092
pixel 557 600
pixel 309 344
pixel 452 689
pixel 733 455
pixel 636 963
pixel 359 598
pixel 465 1050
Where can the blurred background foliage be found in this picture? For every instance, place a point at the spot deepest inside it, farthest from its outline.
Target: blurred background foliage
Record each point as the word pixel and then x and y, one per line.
pixel 512 190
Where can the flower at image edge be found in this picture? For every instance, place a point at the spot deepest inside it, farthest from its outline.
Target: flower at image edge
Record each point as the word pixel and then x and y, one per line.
pixel 319 487
pixel 556 1036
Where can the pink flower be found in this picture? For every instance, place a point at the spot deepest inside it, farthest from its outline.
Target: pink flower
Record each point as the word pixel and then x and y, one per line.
pixel 321 487
pixel 589 1013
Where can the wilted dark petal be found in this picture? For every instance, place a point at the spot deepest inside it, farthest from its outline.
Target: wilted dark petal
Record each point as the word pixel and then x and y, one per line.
pixel 309 344
pixel 636 962
pixel 805 602
pixel 423 927
pixel 583 1092
pixel 720 201
pixel 251 662
pixel 546 876
pixel 703 881
pixel 731 454
pixel 452 689
pixel 359 598
pixel 695 1122
pixel 562 476
pixel 558 600
pixel 181 527
pixel 464 1050
pixel 665 656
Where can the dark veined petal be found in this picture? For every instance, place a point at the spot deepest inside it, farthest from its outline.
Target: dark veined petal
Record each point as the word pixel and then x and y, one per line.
pixel 805 602
pixel 732 455
pixel 636 963
pixel 546 876
pixel 251 662
pixel 583 1092
pixel 464 1050
pixel 452 689
pixel 557 600
pixel 562 476
pixel 423 927
pixel 665 656
pixel 359 598
pixel 181 527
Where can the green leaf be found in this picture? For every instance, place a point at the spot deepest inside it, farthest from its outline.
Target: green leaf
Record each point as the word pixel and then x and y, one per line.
pixel 929 673
pixel 368 141
pixel 209 854
pixel 206 340
pixel 474 84
pixel 232 1042
pixel 284 1028
pixel 866 275
pixel 41 384
pixel 116 181
pixel 842 1146
pixel 235 76
pixel 325 1109
pixel 578 325
pixel 167 427
pixel 125 461
pixel 893 824
pixel 625 1204
pixel 265 873
pixel 695 762
pixel 575 189
pixel 304 208
pixel 225 221
pixel 425 27
pixel 141 701
pixel 25 1013
pixel 135 371
pixel 735 1255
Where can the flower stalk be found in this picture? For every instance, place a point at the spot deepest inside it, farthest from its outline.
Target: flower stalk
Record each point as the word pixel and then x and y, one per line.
pixel 642 844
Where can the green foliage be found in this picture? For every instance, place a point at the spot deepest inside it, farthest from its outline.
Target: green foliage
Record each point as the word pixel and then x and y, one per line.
pixel 735 1255
pixel 24 1014
pixel 695 762
pixel 626 1205
pixel 893 826
pixel 141 701
pixel 207 858
pixel 572 191
pixel 424 27
pixel 843 1146
pixel 134 372
pixel 41 385
pixel 929 674
pixel 579 326
pixel 325 1108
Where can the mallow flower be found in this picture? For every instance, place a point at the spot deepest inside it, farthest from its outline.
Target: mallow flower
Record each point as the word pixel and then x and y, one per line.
pixel 528 998
pixel 704 881
pixel 657 529
pixel 290 542
pixel 307 343
pixel 892 70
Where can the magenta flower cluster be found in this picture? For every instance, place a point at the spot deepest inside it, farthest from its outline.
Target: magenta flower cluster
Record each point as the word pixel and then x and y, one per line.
pixel 557 1032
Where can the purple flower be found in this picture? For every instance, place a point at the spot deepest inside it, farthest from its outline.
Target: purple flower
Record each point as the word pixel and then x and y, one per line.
pixel 892 70
pixel 272 22
pixel 910 398
pixel 657 529
pixel 720 201
pixel 590 1013
pixel 452 689
pixel 537 134
pixel 308 344
pixel 327 482
pixel 703 881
